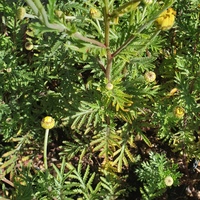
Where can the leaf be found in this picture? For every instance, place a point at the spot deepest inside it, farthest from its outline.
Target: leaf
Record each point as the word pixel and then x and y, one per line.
pixel 9 153
pixel 10 161
pixel 51 7
pixel 130 156
pixel 146 140
pixel 9 169
pixel 86 173
pixel 87 116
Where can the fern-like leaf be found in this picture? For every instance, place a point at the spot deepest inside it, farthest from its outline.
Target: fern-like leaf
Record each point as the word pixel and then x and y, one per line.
pixel 121 155
pixel 87 116
pixel 82 184
pixel 105 143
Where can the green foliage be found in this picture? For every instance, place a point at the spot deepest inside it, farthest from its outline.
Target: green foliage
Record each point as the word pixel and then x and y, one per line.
pixel 78 48
pixel 152 174
pixel 82 183
pixel 68 182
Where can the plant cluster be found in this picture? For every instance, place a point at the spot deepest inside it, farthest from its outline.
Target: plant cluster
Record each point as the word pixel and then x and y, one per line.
pixel 112 74
pixel 156 175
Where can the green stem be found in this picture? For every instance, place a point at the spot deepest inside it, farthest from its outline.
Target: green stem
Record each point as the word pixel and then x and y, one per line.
pixel 107 41
pixel 89 40
pixel 39 10
pixel 45 148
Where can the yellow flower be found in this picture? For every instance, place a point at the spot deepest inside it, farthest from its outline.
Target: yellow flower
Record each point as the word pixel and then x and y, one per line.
pixel 166 19
pixel 21 12
pixel 116 20
pixel 179 112
pixel 95 13
pixel 28 46
pixel 109 86
pixel 147 2
pixel 173 91
pixel 48 122
pixel 59 13
pixel 150 76
pixel 169 181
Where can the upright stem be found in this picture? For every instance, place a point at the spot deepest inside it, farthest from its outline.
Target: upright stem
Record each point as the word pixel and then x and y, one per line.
pixel 107 41
pixel 45 148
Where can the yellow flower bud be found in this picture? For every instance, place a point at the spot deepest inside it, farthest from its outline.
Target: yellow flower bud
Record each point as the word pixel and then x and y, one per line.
pixel 116 20
pixel 21 12
pixel 147 2
pixel 173 91
pixel 109 86
pixel 48 122
pixel 9 70
pixel 59 13
pixel 150 76
pixel 95 13
pixel 166 19
pixel 169 181
pixel 179 112
pixel 29 46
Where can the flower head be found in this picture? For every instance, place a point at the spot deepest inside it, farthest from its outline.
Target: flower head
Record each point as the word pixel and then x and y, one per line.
pixel 59 13
pixel 146 2
pixel 95 13
pixel 150 76
pixel 29 46
pixel 169 181
pixel 173 91
pixel 179 112
pixel 166 19
pixel 48 122
pixel 21 12
pixel 109 86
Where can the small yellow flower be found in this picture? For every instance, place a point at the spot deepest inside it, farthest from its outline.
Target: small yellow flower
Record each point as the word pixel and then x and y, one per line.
pixel 48 122
pixel 147 2
pixel 166 19
pixel 169 181
pixel 9 70
pixel 95 13
pixel 173 91
pixel 116 20
pixel 59 13
pixel 29 46
pixel 21 12
pixel 109 86
pixel 179 112
pixel 150 76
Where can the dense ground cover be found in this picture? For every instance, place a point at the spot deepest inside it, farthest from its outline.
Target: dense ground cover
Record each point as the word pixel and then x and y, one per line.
pixel 120 83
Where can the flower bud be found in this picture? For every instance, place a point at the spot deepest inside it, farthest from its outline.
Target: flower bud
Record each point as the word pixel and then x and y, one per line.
pixel 59 13
pixel 9 70
pixel 48 122
pixel 179 112
pixel 21 12
pixel 173 91
pixel 169 181
pixel 147 2
pixel 95 13
pixel 109 86
pixel 166 19
pixel 150 76
pixel 28 46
